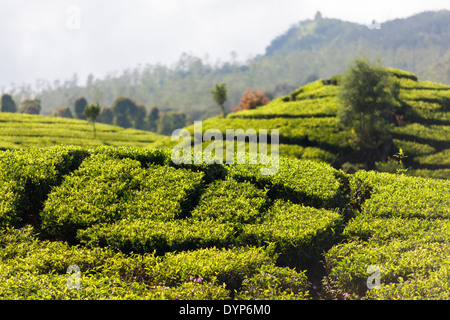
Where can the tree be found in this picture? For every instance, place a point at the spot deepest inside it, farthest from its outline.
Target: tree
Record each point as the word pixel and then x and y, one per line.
pixel 318 15
pixel 63 112
pixel 91 112
pixel 124 109
pixel 368 96
pixel 106 115
pixel 79 106
pixel 252 99
pixel 152 119
pixel 139 117
pixel 8 104
pixel 219 93
pixel 31 106
pixel 171 121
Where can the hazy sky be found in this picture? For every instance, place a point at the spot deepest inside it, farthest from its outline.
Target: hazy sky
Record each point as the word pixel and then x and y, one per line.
pixel 53 39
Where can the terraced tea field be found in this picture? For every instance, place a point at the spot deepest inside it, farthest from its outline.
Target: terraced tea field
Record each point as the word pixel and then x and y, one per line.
pixel 137 226
pixel 20 131
pixel 306 120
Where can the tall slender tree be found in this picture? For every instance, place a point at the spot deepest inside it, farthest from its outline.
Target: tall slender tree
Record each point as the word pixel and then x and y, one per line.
pixel 91 112
pixel 219 93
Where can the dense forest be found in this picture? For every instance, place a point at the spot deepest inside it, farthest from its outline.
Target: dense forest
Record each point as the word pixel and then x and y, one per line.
pixel 309 50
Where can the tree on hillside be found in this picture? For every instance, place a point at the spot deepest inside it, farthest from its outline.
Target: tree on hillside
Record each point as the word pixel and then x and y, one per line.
pixel 219 93
pixel 123 108
pixel 152 119
pixel 79 106
pixel 63 112
pixel 30 106
pixel 252 99
pixel 139 117
pixel 91 112
pixel 171 121
pixel 7 104
pixel 106 115
pixel 368 96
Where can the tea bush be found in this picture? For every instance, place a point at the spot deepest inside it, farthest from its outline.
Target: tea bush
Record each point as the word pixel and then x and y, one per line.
pixel 297 233
pixel 27 176
pixel 320 107
pixel 403 228
pixel 231 201
pixel 142 227
pixel 19 131
pixel 365 227
pixel 307 182
pixel 105 189
pixel 439 158
pixel 145 235
pixel 272 282
pixel 428 173
pixel 398 261
pixel 433 287
pixel 229 266
pixel 413 149
pixel 405 196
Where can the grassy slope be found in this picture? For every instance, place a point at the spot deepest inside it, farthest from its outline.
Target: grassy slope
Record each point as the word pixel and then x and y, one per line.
pixel 19 131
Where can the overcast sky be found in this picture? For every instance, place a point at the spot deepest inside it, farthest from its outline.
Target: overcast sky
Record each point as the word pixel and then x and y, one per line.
pixel 53 39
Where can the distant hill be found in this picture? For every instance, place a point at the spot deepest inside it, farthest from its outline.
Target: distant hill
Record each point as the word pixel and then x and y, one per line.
pixel 309 50
pixel 419 44
pixel 306 120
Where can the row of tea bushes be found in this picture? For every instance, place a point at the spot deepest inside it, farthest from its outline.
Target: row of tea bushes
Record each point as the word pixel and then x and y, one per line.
pixel 403 231
pixel 104 190
pixel 306 182
pixel 35 269
pixel 297 233
pixel 27 176
pixel 18 131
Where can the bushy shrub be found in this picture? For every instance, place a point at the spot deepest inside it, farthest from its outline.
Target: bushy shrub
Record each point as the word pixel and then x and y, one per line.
pixel 146 156
pixel 307 182
pixel 229 266
pixel 27 176
pixel 297 233
pixel 144 235
pixel 272 282
pixel 251 99
pixel 231 201
pixel 405 196
pixel 365 227
pixel 105 189
pixel 433 287
pixel 398 260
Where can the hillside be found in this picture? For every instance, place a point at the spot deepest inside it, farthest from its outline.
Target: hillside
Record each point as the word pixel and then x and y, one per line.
pixel 127 223
pixel 310 49
pixel 18 131
pixel 306 120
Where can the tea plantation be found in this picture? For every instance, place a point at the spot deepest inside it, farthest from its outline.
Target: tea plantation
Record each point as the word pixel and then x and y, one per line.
pixel 308 128
pixel 138 226
pixel 21 131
